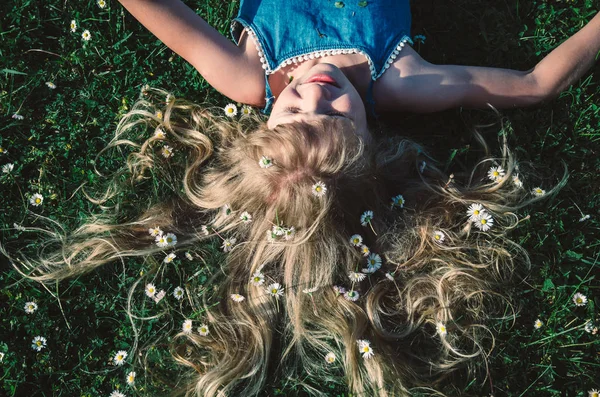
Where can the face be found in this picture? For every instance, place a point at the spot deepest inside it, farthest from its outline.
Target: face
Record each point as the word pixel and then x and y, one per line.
pixel 323 91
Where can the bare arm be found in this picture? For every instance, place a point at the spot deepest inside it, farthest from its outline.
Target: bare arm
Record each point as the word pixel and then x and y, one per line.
pixel 223 64
pixel 417 85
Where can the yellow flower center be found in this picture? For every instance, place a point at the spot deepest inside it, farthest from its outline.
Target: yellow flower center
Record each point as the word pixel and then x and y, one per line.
pixel 442 329
pixel 38 200
pixel 274 291
pixel 119 357
pixel 203 330
pixel 483 221
pixel 496 173
pixel 476 212
pixel 437 236
pixel 365 349
pixel 39 343
pixel 579 300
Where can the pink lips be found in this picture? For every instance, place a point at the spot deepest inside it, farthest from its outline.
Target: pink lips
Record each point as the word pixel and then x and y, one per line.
pixel 322 78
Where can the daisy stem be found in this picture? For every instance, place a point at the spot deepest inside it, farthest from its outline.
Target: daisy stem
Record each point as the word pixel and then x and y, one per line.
pixel 371 226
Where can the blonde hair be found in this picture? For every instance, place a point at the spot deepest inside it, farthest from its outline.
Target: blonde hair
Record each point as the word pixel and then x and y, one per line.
pixel 422 286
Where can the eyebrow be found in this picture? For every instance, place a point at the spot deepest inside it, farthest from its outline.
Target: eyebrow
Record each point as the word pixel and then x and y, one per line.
pixel 342 115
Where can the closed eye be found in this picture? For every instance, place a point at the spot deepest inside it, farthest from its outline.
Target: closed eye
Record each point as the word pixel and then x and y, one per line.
pixel 297 110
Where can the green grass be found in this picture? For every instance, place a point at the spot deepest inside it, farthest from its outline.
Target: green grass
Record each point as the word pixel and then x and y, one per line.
pixel 53 150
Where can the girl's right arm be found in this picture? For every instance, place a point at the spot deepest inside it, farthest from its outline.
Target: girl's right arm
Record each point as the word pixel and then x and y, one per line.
pixel 226 67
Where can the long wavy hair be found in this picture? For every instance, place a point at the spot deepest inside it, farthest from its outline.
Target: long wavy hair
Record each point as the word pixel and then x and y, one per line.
pixel 285 204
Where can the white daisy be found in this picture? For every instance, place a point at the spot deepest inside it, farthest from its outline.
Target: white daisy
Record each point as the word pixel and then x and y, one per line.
pixel 19 227
pixel 38 343
pixel 158 297
pixel 593 393
pixel 364 346
pixel 150 290
pixel 265 162
pixel 356 277
pixel 30 307
pixel 166 151
pixel 584 218
pixel 485 222
pixel 161 241
pixel 374 261
pixel 228 244
pixel 204 229
pixel 203 330
pixel 389 276
pixel 86 35
pixel 310 290
pixel 189 256
pixel 171 239
pixel 365 250
pixel 160 134
pixel 496 173
pixel 257 279
pixel 17 116
pixel 475 210
pixel 275 290
pixel 319 189
pixel 439 236
pixel 588 327
pixel 366 218
pixel 237 297
pixel 159 114
pixel 289 232
pixel 441 328
pixel 517 181
pixel 278 230
pixel 579 299
pixel 116 393
pixel 1 356
pixel 246 217
pixel 101 3
pixel 119 358
pixel 3 150
pixel 398 201
pixel 73 26
pixel 131 378
pixel 36 200
pixel 351 295
pixel 339 290
pixel 230 110
pixel 356 240
pixel 226 209
pixel 538 192
pixel 330 358
pixel 155 231
pixel 538 324
pixel 186 327
pixel 178 293
pixel 50 85
pixel 169 258
pixel 246 110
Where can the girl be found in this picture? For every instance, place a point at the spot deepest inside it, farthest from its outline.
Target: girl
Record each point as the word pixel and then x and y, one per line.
pixel 306 60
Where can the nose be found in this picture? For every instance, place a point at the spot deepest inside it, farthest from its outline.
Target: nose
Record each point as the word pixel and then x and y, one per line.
pixel 315 97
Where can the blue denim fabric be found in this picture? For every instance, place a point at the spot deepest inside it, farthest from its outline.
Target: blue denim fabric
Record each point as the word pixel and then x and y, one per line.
pixel 285 29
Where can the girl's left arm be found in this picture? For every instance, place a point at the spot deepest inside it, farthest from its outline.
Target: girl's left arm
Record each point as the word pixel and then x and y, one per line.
pixel 417 85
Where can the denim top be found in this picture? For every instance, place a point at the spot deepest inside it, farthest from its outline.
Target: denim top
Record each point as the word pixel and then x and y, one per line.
pixel 291 31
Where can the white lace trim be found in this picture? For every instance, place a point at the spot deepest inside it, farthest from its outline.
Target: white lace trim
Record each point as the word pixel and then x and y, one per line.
pixel 323 53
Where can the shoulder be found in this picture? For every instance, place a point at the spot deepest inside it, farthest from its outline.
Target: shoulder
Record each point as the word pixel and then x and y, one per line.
pixel 395 87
